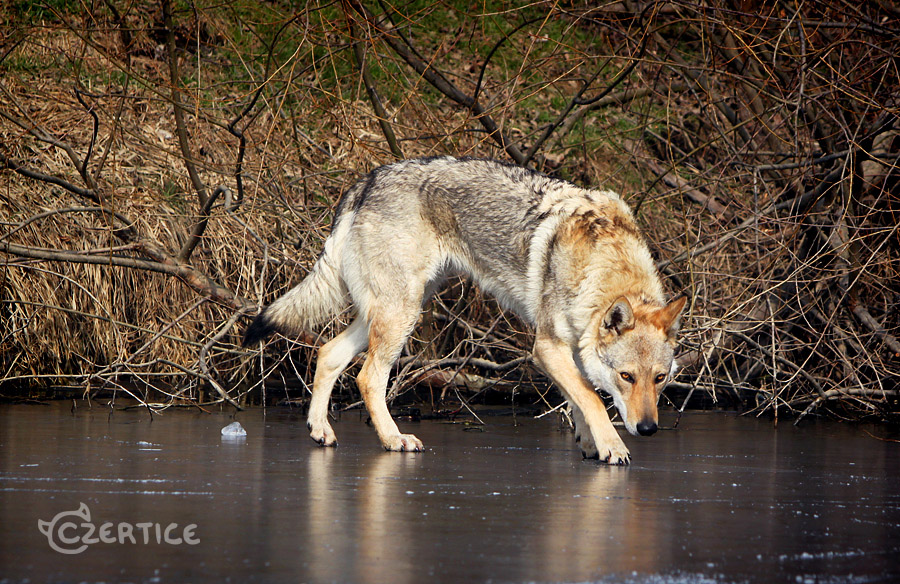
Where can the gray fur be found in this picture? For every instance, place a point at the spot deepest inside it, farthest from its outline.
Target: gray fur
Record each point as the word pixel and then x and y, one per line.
pixel 557 255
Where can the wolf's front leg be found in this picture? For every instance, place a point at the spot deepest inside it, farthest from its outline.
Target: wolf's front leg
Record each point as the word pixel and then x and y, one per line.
pixel 599 438
pixel 583 435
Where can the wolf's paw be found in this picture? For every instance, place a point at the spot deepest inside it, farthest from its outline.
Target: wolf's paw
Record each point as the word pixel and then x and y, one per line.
pixel 322 434
pixel 403 443
pixel 588 448
pixel 613 453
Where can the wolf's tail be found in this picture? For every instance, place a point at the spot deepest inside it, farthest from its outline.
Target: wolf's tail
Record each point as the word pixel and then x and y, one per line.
pixel 319 296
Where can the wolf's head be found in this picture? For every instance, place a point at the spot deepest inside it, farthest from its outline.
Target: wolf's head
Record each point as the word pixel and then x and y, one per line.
pixel 628 352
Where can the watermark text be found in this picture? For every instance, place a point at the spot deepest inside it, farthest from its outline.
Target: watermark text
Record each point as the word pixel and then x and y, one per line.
pixel 71 532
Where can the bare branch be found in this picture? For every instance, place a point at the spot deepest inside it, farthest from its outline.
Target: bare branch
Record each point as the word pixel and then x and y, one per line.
pixel 381 114
pixel 395 39
pixel 55 180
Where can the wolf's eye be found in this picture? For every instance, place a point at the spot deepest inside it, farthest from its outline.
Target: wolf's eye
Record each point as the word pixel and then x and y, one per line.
pixel 660 378
pixel 627 376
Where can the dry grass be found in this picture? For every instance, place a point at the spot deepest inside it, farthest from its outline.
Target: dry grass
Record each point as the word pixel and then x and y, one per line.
pixel 759 148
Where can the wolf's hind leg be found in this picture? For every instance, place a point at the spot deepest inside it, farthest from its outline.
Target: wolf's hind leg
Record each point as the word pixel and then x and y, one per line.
pixel 388 331
pixel 334 356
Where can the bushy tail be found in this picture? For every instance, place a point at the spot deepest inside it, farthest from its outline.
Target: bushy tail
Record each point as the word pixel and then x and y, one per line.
pixel 320 295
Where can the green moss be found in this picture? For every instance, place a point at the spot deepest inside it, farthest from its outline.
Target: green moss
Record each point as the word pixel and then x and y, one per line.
pixel 35 13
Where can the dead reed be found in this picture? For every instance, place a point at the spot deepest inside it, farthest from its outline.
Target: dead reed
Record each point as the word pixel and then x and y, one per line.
pixel 166 172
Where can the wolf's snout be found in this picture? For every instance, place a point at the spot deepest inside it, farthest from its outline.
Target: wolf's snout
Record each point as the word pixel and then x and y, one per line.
pixel 646 428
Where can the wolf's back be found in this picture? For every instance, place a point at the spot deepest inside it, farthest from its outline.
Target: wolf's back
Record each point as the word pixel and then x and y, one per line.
pixel 319 296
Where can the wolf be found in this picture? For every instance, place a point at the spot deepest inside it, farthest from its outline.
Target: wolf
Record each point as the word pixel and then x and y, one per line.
pixel 569 261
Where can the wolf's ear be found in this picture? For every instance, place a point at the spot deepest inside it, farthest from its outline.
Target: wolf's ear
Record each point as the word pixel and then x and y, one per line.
pixel 619 317
pixel 670 317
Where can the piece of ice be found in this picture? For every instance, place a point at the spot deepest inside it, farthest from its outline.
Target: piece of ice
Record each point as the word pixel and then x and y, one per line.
pixel 234 430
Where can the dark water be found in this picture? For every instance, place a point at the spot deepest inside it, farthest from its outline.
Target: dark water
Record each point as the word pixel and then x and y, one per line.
pixel 721 499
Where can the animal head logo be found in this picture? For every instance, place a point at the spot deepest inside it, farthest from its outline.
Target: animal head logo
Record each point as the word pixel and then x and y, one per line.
pixel 63 523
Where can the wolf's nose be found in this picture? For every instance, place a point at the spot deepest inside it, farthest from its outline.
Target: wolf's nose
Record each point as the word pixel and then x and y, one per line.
pixel 646 428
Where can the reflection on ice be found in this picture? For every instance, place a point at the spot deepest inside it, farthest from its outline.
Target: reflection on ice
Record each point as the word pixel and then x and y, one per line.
pixel 721 499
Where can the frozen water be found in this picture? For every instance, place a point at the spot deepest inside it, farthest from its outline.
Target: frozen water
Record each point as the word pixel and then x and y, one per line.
pixel 234 430
pixel 720 500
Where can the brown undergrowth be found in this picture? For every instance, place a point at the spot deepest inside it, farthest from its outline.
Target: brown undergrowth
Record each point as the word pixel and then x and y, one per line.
pixel 166 171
